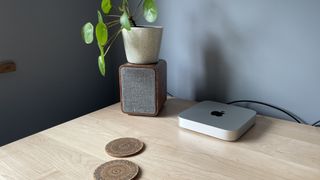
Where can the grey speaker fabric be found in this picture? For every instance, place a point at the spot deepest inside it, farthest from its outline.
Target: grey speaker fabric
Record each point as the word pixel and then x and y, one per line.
pixel 138 90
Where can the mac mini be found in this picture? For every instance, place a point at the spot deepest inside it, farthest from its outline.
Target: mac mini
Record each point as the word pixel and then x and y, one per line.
pixel 223 121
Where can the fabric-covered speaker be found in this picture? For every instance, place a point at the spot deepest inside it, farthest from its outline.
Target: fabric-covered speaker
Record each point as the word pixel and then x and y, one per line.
pixel 143 88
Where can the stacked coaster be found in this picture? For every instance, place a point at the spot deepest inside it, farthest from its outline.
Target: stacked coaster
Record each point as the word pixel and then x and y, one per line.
pixel 120 169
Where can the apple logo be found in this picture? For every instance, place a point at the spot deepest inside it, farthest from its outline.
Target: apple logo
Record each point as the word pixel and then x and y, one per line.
pixel 217 113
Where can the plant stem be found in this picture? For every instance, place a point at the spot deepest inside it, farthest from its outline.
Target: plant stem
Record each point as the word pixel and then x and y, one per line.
pixel 127 7
pixel 115 16
pixel 137 7
pixel 113 24
pixel 138 14
pixel 114 37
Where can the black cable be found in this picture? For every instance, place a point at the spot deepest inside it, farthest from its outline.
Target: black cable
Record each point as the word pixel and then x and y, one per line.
pixel 316 124
pixel 269 105
pixel 170 94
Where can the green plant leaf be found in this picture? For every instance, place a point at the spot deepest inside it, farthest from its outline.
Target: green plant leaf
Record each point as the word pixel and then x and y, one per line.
pixel 101 34
pixel 102 65
pixel 106 6
pixel 150 10
pixel 100 19
pixel 87 33
pixel 101 31
pixel 124 21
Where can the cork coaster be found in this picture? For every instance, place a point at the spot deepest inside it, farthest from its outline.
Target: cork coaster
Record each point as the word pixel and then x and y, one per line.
pixel 124 147
pixel 116 170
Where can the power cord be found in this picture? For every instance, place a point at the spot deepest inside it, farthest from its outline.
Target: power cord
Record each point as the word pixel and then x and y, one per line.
pixel 170 94
pixel 295 117
pixel 316 124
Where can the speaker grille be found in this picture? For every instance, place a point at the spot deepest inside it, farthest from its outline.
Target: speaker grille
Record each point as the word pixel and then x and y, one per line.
pixel 138 90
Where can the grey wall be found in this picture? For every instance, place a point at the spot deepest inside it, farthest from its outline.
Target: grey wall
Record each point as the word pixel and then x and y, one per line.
pixel 223 50
pixel 57 76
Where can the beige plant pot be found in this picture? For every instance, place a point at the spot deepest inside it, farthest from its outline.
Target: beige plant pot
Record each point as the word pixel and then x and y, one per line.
pixel 142 44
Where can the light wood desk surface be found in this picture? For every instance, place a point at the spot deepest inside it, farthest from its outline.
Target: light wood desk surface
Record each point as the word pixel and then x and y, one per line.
pixel 272 149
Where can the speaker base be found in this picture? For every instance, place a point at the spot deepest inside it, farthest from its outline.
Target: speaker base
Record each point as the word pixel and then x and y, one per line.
pixel 143 88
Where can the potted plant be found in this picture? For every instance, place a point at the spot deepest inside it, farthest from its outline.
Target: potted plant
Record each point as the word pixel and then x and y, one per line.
pixel 142 43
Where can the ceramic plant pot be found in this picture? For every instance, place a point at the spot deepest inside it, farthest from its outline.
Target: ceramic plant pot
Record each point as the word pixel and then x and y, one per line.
pixel 142 44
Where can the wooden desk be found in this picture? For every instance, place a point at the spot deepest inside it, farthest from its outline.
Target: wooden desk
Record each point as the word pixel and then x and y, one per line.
pixel 272 149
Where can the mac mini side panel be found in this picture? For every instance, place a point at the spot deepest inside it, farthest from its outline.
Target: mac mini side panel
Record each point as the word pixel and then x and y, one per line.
pixel 226 122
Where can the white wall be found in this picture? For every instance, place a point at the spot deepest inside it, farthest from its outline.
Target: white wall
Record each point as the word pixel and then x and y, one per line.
pixel 267 50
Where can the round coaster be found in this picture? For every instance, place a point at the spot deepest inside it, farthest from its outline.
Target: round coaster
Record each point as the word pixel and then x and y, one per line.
pixel 116 170
pixel 124 147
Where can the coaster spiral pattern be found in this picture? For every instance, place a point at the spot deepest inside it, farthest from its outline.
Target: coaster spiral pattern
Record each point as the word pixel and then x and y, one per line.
pixel 117 170
pixel 124 147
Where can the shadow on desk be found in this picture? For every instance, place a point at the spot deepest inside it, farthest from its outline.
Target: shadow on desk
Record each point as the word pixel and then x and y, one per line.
pixel 174 106
pixel 257 131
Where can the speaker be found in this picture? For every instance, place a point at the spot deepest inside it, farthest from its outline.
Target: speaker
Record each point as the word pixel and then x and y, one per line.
pixel 143 88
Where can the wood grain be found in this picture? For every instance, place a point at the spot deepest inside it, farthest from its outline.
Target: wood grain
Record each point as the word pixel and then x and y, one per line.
pixel 7 66
pixel 272 149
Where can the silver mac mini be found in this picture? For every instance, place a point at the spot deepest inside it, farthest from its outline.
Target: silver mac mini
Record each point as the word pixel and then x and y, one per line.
pixel 223 121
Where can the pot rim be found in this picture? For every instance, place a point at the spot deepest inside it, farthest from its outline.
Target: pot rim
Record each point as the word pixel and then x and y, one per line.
pixel 146 27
